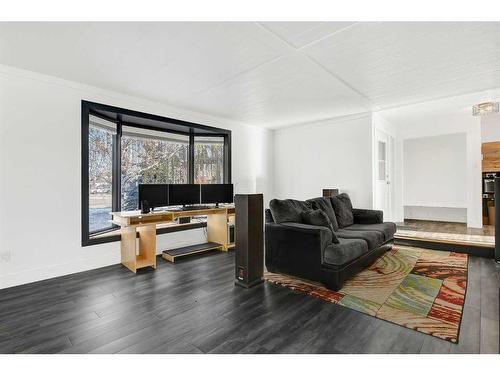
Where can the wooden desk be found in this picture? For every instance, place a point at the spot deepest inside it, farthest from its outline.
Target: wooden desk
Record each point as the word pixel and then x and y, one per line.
pixel 133 222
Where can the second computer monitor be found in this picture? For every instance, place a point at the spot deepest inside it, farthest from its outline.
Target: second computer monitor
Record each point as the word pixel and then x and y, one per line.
pixel 217 193
pixel 155 194
pixel 183 194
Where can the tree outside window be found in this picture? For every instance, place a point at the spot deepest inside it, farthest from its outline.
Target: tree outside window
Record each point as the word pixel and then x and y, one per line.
pixel 209 160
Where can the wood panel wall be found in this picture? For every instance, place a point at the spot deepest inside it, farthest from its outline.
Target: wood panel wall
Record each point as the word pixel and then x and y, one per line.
pixel 491 156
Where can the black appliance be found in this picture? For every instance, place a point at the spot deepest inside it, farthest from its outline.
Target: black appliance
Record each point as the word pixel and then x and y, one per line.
pixel 183 194
pixel 155 195
pixel 217 193
pixel 489 183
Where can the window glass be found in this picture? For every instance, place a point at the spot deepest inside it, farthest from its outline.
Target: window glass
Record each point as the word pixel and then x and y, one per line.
pixel 100 173
pixel 209 160
pixel 381 150
pixel 149 157
pixel 381 161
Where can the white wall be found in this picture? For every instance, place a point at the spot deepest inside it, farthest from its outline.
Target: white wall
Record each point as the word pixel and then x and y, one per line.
pixel 435 172
pixel 474 175
pixel 40 214
pixel 490 128
pixel 448 214
pixel 327 154
pixel 435 118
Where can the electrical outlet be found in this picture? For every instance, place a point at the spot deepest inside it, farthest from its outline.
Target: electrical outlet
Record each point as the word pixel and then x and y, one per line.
pixel 5 257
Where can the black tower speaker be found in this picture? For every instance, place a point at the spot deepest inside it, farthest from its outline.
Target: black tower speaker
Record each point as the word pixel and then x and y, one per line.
pixel 249 236
pixel 497 219
pixel 330 192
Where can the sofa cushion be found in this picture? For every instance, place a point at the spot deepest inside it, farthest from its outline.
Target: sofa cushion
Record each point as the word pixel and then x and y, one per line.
pixel 324 204
pixel 319 218
pixel 288 210
pixel 343 209
pixel 373 238
pixel 345 251
pixel 387 229
pixel 364 216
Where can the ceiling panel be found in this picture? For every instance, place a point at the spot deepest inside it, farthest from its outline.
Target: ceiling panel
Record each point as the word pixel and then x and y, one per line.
pixel 287 91
pixel 300 34
pixel 268 74
pixel 397 63
pixel 162 61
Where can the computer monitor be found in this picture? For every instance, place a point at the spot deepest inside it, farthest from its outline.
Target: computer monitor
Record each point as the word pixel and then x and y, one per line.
pixel 183 194
pixel 217 193
pixel 155 194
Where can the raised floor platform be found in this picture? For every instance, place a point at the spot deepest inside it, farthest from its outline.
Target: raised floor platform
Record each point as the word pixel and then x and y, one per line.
pixel 447 236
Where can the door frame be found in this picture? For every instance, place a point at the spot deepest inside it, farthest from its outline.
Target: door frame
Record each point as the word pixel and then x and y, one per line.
pixel 390 150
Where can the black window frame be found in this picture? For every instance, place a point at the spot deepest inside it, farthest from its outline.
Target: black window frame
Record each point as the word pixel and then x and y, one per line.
pixel 190 129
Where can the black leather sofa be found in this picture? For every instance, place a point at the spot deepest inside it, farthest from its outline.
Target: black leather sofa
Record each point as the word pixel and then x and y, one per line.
pixel 331 255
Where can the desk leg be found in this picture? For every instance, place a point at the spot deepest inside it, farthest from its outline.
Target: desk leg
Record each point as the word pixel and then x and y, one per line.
pixel 217 229
pixel 147 244
pixel 128 248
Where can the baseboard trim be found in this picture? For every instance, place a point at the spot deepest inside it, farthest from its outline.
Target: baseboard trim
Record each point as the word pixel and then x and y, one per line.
pixel 39 274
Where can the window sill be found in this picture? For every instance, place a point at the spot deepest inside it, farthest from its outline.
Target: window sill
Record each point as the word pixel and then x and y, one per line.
pixel 114 236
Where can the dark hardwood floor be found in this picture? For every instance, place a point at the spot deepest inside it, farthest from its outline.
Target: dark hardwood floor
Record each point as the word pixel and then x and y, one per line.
pixel 193 307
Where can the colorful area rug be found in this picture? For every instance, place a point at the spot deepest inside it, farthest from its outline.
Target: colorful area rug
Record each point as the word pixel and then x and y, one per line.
pixel 416 288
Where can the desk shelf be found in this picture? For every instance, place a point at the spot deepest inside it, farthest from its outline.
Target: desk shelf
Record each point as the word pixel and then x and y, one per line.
pixel 134 257
pixel 173 254
pixel 142 261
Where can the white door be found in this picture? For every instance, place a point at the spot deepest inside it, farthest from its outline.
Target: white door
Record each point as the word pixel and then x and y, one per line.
pixel 383 160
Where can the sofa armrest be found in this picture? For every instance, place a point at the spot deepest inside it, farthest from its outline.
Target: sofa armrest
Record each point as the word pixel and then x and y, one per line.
pixel 363 216
pixel 295 248
pixel 324 233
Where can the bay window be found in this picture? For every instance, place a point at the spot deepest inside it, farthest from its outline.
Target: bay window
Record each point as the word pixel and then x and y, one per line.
pixel 122 149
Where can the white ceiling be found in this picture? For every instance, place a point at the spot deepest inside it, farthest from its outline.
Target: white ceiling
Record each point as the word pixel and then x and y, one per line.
pixel 443 109
pixel 269 74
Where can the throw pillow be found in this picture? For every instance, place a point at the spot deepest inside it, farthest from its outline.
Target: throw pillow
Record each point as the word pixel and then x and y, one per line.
pixel 324 204
pixel 319 218
pixel 343 209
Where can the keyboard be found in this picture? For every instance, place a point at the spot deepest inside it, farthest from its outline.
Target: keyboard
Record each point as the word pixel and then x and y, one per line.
pixel 191 208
